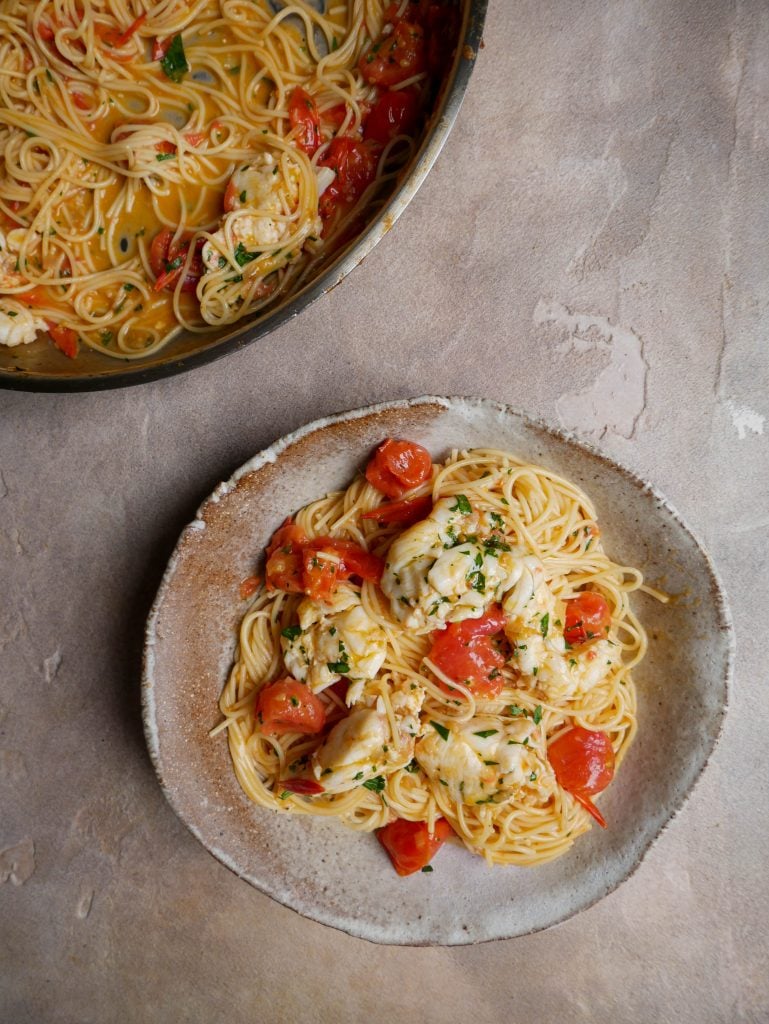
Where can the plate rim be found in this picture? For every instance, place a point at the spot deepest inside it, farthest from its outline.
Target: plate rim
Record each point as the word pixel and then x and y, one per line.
pixel 270 454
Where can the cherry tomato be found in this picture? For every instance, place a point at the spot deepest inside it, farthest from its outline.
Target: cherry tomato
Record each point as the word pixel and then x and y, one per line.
pixel 396 56
pixel 64 338
pixel 354 560
pixel 284 559
pixel 321 575
pixel 289 706
pixel 410 846
pixel 394 113
pixel 167 258
pixel 405 512
pixel 587 618
pixel 583 762
pixel 302 786
pixel 80 100
pixel 464 652
pixel 115 40
pixel 398 466
pixel 355 165
pixel 305 119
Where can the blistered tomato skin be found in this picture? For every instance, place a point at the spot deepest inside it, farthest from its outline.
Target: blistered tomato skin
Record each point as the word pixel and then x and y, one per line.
pixel 409 844
pixel 583 762
pixel 398 466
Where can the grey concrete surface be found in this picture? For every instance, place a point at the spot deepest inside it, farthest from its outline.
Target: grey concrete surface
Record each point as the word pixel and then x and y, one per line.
pixel 591 247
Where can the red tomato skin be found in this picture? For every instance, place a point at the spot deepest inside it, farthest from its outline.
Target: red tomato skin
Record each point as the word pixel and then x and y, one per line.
pixel 319 575
pixel 305 120
pixel 283 570
pixel 354 560
pixel 394 113
pixel 159 251
pixel 588 617
pixel 405 512
pixel 583 762
pixel 398 466
pixel 409 845
pixel 355 164
pixel 289 706
pixel 396 56
pixel 64 338
pixel 306 786
pixel 464 652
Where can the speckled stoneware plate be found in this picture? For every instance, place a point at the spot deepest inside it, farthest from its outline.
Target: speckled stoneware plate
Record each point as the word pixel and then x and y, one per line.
pixel 343 878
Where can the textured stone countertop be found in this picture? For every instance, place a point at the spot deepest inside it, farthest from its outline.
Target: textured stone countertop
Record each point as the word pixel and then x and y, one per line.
pixel 590 247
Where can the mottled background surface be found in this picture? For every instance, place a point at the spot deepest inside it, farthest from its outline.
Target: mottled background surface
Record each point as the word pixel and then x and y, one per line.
pixel 591 247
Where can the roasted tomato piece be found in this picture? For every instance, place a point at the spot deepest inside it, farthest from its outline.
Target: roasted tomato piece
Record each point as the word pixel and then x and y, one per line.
pixel 283 570
pixel 289 706
pixel 588 617
pixel 396 56
pixel 355 165
pixel 405 512
pixel 399 466
pixel 464 652
pixel 394 113
pixel 305 120
pixel 409 844
pixel 583 762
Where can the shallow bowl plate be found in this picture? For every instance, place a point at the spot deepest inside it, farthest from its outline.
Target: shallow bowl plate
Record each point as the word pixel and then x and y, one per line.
pixel 343 878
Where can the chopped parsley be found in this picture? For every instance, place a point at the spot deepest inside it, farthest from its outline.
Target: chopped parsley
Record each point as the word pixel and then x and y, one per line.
pixel 442 731
pixel 243 256
pixel 338 666
pixel 291 632
pixel 486 732
pixel 427 869
pixel 376 785
pixel 165 156
pixel 462 505
pixel 174 60
pixel 537 716
pixel 412 766
pixel 544 624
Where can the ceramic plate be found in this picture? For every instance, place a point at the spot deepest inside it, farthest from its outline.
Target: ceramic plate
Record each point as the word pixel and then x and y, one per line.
pixel 343 878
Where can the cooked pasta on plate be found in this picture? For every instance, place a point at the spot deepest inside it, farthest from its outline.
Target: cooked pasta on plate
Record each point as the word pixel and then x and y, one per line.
pixel 438 651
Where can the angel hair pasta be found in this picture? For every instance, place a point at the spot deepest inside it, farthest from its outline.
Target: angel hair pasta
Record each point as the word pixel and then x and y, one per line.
pixel 452 661
pixel 181 164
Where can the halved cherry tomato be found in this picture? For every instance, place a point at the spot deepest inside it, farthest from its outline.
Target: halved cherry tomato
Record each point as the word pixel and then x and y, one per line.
pixel 284 559
pixel 405 512
pixel 464 652
pixel 289 706
pixel 165 146
pixel 355 561
pixel 167 259
pixel 194 138
pixel 64 338
pixel 80 101
pixel 302 786
pixel 409 844
pixel 588 617
pixel 398 466
pixel 394 113
pixel 396 56
pixel 321 575
pixel 305 119
pixel 583 762
pixel 355 165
